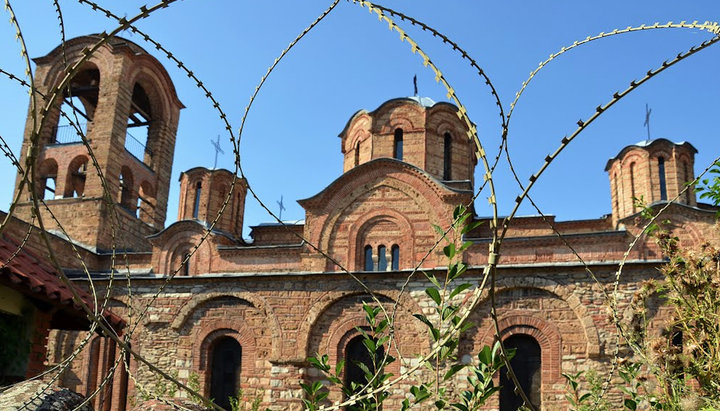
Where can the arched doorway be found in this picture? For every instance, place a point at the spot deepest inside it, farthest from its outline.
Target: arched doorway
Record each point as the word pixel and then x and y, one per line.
pixel 226 358
pixel 526 365
pixel 357 353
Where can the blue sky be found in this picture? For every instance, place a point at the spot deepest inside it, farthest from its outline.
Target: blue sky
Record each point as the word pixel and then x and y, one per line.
pixel 352 61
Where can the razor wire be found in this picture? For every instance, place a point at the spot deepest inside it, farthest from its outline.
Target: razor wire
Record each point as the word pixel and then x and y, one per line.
pixel 486 285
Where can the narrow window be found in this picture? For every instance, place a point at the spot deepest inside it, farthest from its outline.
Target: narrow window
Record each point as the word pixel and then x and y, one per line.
pixel 398 146
pixel 186 267
pixel 196 207
pixel 357 154
pixel 138 126
pixel 447 157
pixel 616 200
pixel 357 353
pixel 382 258
pixel 368 258
pixel 395 252
pixel 526 365
pixel 632 185
pixel 661 170
pixel 226 360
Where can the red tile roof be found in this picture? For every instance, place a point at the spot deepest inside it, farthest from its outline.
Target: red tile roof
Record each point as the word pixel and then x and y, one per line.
pixel 30 275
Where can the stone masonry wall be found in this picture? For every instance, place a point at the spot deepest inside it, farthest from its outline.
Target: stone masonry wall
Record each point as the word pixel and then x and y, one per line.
pixel 279 321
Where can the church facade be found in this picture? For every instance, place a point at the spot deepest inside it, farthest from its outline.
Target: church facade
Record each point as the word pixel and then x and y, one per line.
pixel 221 313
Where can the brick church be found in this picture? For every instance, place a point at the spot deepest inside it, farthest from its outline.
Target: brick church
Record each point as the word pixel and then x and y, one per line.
pixel 246 314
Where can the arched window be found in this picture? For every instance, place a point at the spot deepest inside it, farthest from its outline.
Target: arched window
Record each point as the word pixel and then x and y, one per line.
pixel 139 120
pixel 526 366
pixel 48 173
pixel 395 255
pixel 382 258
pixel 632 185
pixel 75 183
pixel 447 157
pixel 186 266
pixel 226 358
pixel 368 258
pixel 80 99
pixel 661 171
pixel 357 154
pixel 398 144
pixel 357 353
pixel 196 206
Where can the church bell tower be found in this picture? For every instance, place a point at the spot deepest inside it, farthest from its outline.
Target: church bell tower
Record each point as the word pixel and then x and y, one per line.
pixel 124 103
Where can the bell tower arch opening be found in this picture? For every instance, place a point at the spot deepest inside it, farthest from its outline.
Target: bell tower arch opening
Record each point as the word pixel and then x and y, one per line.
pixel 118 80
pixel 138 126
pixel 79 102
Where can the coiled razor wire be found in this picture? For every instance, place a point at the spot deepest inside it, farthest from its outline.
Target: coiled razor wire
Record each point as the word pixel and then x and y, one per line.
pixel 41 105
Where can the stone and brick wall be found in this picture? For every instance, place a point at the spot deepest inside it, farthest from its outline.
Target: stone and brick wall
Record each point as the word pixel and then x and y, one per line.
pixel 281 320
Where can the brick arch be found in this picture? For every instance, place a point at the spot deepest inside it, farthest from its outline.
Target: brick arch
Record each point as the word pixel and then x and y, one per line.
pixel 102 59
pixel 400 122
pixel 177 240
pixel 545 333
pixel 73 183
pixel 690 235
pixel 208 335
pixel 151 75
pixel 661 151
pixel 581 312
pixel 329 299
pixel 358 228
pixel 174 258
pixel 213 330
pixel 346 331
pixel 252 299
pixel 358 131
pixel 340 204
pixel 46 169
pixel 389 117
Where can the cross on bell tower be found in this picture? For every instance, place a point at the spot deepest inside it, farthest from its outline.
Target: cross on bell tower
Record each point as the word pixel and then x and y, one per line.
pixel 218 149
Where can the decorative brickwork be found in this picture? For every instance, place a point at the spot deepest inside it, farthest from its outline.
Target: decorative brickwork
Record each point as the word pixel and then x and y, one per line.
pixel 406 166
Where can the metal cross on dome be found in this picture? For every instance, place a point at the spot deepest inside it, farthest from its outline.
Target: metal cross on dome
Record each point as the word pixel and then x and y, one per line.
pixel 218 149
